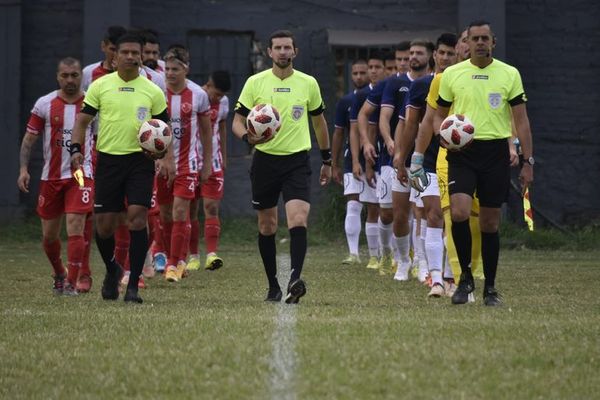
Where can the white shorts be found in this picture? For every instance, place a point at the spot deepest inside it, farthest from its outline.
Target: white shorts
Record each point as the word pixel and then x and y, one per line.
pixel 352 185
pixel 433 189
pixel 415 197
pixel 368 194
pixel 399 187
pixel 384 185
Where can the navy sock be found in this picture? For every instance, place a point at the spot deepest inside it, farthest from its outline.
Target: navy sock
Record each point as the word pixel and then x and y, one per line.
pixel 461 233
pixel 490 249
pixel 138 247
pixel 297 251
pixel 268 253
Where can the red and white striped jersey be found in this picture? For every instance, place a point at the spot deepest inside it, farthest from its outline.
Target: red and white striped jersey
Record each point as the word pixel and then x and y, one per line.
pixel 218 113
pixel 54 118
pixel 185 108
pixel 91 73
pixel 155 77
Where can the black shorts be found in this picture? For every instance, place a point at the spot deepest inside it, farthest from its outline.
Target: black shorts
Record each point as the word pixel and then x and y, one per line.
pixel 123 177
pixel 484 167
pixel 271 175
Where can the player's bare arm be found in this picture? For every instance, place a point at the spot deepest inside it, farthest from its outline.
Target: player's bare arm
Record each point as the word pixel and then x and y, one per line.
pixel 524 133
pixel 223 139
pixel 25 155
pixel 354 149
pixel 206 141
pixel 363 128
pixel 398 161
pixel 385 115
pixel 336 148
pixel 82 121
pixel 322 135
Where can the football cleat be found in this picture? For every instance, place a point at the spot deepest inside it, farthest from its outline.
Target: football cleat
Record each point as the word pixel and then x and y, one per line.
pixel 351 259
pixel 213 262
pixel 182 271
pixel 274 295
pixel 84 283
pixel 465 287
pixel 125 278
pixel 402 272
pixel 436 291
pixel 449 288
pixel 59 284
pixel 160 262
pixel 131 296
pixel 373 263
pixel 491 297
pixel 141 282
pixel 295 291
pixel 110 286
pixel 193 263
pixel 171 274
pixel 386 264
pixel 69 290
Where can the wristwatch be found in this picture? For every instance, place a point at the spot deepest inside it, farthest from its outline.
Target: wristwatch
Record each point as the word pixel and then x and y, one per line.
pixel 529 161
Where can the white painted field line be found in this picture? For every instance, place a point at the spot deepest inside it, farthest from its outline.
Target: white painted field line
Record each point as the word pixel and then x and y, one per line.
pixel 283 354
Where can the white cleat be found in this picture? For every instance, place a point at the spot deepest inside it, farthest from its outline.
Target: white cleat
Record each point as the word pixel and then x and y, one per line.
pixel 402 272
pixel 436 291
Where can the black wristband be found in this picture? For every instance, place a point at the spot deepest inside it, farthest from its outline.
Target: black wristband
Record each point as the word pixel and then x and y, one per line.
pixel 245 137
pixel 74 148
pixel 326 155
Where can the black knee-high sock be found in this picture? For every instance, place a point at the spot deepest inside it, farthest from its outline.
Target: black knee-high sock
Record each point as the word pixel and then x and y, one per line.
pixel 297 251
pixel 461 233
pixel 490 249
pixel 138 246
pixel 268 253
pixel 106 247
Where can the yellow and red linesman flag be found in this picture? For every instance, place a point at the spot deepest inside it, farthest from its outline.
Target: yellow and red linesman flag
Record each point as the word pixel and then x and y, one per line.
pixel 527 211
pixel 78 175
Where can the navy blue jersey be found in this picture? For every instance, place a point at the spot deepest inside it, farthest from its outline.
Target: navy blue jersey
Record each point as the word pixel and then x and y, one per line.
pixel 359 99
pixel 342 120
pixel 394 94
pixel 417 100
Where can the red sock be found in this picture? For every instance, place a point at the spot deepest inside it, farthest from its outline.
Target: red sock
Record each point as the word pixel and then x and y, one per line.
pixel 212 232
pixel 194 236
pixel 177 242
pixel 52 250
pixel 75 249
pixel 157 237
pixel 167 232
pixel 122 246
pixel 185 249
pixel 87 237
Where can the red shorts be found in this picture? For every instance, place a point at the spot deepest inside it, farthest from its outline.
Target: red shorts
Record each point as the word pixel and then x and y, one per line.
pixel 183 186
pixel 213 187
pixel 65 196
pixel 154 209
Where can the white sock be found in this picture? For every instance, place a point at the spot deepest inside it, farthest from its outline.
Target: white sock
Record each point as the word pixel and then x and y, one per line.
pixel 402 249
pixel 413 238
pixel 352 225
pixel 434 247
pixel 372 232
pixel 385 235
pixel 419 244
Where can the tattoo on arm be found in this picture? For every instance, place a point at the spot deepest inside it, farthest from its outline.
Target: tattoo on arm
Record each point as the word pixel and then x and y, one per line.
pixel 25 154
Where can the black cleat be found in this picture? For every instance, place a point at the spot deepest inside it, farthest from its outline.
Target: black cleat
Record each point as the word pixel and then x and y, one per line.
pixel 465 287
pixel 296 290
pixel 491 297
pixel 131 296
pixel 274 295
pixel 59 284
pixel 110 286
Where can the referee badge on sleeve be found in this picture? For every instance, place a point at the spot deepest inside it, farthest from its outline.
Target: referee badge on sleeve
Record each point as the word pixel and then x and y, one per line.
pixel 297 112
pixel 495 99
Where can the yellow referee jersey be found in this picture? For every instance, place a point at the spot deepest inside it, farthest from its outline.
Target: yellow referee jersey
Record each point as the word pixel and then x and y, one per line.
pixel 122 108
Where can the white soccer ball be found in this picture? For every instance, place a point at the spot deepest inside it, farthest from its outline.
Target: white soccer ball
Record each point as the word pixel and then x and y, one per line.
pixel 456 132
pixel 155 136
pixel 263 121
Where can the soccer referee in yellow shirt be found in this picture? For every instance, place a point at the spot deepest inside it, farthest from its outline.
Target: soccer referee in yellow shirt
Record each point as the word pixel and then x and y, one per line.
pixel 123 100
pixel 488 91
pixel 281 165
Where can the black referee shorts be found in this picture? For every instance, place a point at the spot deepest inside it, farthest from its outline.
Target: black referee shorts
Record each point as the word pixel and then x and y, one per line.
pixel 484 166
pixel 271 175
pixel 123 177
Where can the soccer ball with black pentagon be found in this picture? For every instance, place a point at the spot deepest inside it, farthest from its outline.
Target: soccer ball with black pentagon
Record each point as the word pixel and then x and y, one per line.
pixel 263 121
pixel 456 132
pixel 155 136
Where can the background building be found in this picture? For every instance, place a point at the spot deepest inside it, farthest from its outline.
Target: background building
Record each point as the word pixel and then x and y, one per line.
pixel 554 46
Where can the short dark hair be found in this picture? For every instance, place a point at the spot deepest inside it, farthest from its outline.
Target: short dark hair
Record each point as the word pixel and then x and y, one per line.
pixel 178 53
pixel 448 39
pixel 377 55
pixel 282 33
pixel 479 22
pixel 113 33
pixel 68 61
pixel 403 46
pixel 151 36
pixel 130 37
pixel 221 80
pixel 176 46
pixel 358 61
pixel 423 43
pixel 388 56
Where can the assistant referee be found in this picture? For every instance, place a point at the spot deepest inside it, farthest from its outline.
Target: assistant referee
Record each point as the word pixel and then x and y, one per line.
pixel 282 165
pixel 123 100
pixel 490 93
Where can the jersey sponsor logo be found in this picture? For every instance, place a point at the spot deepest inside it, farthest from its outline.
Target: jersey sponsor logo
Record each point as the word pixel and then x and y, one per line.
pixel 297 112
pixel 404 89
pixel 126 89
pixel 495 99
pixel 255 202
pixel 142 112
pixel 282 90
pixel 483 77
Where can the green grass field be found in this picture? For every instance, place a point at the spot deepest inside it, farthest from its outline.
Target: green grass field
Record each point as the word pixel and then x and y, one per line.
pixel 355 335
